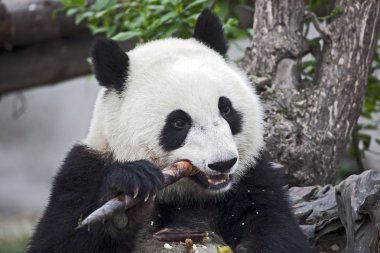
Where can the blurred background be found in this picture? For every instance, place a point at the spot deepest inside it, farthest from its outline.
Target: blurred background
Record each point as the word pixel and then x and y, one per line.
pixel 47 94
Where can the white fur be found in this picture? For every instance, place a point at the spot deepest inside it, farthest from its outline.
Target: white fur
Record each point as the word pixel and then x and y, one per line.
pixel 171 74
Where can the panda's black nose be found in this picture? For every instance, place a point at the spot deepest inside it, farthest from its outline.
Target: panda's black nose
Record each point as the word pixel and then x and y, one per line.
pixel 224 166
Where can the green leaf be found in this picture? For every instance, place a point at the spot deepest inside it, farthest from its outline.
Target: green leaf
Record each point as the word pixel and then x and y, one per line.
pixel 168 16
pixel 169 32
pixel 79 2
pixel 195 3
pixel 71 12
pixel 111 31
pixel 100 30
pixel 101 4
pixel 162 20
pixel 80 17
pixel 101 14
pixel 123 36
pixel 224 8
pixel 148 19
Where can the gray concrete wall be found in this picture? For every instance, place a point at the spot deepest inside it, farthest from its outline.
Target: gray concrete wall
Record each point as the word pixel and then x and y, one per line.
pixel 33 145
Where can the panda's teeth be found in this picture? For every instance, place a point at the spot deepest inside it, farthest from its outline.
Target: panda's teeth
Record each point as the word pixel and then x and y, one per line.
pixel 215 182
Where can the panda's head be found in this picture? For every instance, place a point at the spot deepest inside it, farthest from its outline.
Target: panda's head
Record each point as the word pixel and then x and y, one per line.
pixel 176 99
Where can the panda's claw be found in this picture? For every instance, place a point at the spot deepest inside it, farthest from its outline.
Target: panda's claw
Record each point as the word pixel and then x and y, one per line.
pixel 146 197
pixel 135 192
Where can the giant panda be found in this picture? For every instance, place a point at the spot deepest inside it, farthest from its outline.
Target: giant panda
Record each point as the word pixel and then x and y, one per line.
pixel 165 101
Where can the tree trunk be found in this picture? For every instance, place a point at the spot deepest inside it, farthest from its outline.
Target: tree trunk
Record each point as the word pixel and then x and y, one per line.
pixel 308 126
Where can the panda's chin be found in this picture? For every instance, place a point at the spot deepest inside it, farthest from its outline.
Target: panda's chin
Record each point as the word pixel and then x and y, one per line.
pixel 212 182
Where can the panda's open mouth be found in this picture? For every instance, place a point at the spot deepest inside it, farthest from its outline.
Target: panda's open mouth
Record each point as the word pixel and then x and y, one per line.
pixel 212 182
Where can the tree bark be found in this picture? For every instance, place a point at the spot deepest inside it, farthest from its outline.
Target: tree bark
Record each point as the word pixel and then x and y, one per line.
pixel 44 63
pixel 31 21
pixel 308 126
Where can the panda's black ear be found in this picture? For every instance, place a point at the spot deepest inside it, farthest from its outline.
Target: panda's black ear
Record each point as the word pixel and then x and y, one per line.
pixel 110 64
pixel 209 30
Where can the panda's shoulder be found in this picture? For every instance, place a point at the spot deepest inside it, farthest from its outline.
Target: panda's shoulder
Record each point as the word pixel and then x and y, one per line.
pixel 264 174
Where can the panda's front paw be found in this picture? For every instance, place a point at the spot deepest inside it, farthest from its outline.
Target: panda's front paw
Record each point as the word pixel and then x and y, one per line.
pixel 140 179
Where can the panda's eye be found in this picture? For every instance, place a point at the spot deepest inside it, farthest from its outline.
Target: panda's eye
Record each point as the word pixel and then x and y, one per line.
pixel 225 110
pixel 180 123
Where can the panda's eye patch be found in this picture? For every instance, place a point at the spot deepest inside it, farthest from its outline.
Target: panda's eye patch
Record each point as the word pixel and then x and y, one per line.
pixel 177 126
pixel 179 120
pixel 228 112
pixel 224 105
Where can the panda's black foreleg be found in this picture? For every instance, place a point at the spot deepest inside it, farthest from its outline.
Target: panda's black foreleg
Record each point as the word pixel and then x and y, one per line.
pixel 85 181
pixel 140 179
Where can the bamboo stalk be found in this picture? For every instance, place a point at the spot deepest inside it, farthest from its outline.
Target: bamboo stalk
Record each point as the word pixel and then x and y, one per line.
pixel 180 235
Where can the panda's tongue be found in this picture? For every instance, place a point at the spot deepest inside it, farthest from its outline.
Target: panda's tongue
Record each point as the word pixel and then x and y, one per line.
pixel 217 179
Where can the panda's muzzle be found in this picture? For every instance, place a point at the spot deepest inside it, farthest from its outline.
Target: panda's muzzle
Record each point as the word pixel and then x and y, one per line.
pixel 219 176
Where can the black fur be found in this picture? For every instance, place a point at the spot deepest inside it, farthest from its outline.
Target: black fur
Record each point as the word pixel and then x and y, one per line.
pixel 233 117
pixel 171 136
pixel 85 181
pixel 110 64
pixel 256 216
pixel 209 30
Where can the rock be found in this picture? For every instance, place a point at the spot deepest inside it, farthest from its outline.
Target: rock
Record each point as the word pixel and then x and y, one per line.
pixel 358 199
pixel 344 218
